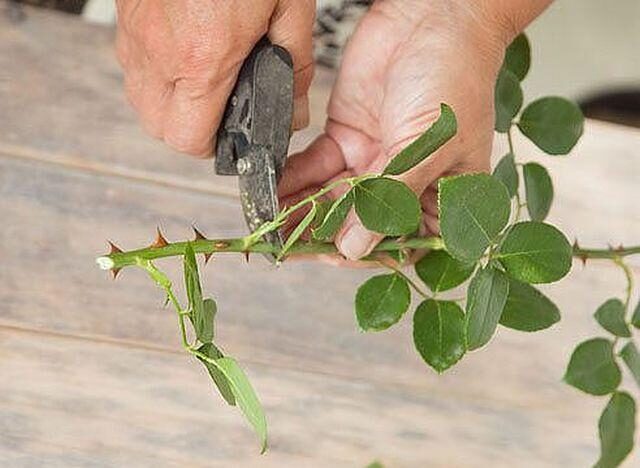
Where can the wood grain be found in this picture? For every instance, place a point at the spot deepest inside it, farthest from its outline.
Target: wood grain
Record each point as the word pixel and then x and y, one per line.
pixel 264 319
pixel 71 402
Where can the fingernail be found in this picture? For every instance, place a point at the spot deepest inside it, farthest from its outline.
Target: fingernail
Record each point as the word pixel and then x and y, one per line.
pixel 355 243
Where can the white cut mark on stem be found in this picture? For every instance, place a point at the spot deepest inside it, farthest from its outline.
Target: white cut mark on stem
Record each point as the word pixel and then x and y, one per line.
pixel 104 263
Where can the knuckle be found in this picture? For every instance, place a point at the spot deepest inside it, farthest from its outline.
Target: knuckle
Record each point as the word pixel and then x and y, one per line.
pixel 196 56
pixel 184 142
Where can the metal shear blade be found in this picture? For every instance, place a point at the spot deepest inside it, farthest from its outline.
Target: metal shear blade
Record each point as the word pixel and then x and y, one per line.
pixel 253 138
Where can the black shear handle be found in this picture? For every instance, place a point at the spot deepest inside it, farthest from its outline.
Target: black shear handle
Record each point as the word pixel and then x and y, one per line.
pixel 259 111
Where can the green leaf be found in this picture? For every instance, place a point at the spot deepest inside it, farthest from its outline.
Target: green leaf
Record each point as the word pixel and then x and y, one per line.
pixel 381 301
pixel 440 132
pixel 192 285
pixel 508 99
pixel 507 173
pixel 535 252
pixel 203 323
pixel 245 397
pixel 387 206
pixel 554 124
pixel 474 209
pixel 617 427
pixel 486 298
pixel 527 309
pixel 322 209
pixel 635 320
pixel 441 272
pixel 438 333
pixel 222 384
pixel 610 316
pixel 518 57
pixel 631 358
pixel 156 275
pixel 335 217
pixel 399 256
pixel 375 464
pixel 539 190
pixel 592 367
pixel 299 230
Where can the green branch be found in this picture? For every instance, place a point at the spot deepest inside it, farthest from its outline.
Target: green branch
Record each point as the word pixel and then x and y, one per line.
pixel 611 253
pixel 119 259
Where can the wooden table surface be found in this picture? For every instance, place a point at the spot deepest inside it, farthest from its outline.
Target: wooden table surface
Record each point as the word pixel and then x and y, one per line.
pixel 91 370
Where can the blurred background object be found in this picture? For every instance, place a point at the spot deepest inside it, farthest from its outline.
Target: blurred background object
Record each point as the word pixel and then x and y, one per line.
pixel 589 50
pixel 69 6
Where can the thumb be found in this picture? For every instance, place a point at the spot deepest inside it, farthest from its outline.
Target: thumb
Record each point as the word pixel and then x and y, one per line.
pixel 354 240
pixel 292 28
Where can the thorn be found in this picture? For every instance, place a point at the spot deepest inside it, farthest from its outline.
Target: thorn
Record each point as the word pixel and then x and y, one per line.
pixel 207 257
pixel 576 246
pixel 114 249
pixel 198 234
pixel 246 255
pixel 160 240
pixel 620 248
pixel 584 258
pixel 114 273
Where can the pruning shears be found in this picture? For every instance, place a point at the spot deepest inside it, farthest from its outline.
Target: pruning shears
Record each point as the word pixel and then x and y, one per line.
pixel 253 138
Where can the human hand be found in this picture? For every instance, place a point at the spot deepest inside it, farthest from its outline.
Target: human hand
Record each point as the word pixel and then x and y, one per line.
pixel 405 58
pixel 181 59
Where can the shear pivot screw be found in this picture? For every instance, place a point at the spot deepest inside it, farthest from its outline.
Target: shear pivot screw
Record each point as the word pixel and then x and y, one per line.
pixel 244 166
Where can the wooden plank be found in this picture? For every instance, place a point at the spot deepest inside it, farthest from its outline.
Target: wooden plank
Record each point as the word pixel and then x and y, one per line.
pixel 284 317
pixel 596 186
pixel 62 101
pixel 66 402
pixel 304 346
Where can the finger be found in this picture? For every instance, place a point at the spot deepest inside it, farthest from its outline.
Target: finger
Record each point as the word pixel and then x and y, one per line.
pixel 195 111
pixel 154 98
pixel 354 241
pixel 432 223
pixel 341 189
pixel 429 200
pixel 131 58
pixel 297 216
pixel 336 260
pixel 321 161
pixel 340 147
pixel 292 28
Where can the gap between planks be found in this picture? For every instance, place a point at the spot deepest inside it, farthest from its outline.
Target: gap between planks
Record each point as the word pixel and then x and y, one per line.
pixel 142 346
pixel 79 164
